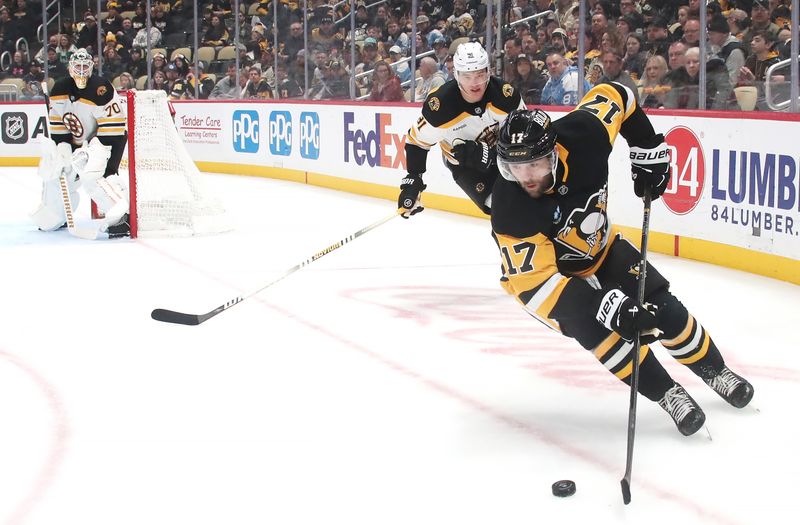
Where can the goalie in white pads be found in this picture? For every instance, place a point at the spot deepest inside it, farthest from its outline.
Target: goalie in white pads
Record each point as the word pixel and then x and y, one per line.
pixel 88 130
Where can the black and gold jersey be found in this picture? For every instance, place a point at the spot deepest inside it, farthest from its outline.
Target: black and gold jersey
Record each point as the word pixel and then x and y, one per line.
pixel 78 115
pixel 446 116
pixel 550 245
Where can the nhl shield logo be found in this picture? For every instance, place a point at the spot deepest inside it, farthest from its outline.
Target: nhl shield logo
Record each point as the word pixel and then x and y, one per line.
pixel 15 128
pixel 434 104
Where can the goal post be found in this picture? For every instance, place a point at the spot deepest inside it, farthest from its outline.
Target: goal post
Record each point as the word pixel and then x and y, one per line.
pixel 168 194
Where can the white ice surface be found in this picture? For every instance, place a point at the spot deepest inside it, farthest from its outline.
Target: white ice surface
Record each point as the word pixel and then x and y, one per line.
pixel 390 382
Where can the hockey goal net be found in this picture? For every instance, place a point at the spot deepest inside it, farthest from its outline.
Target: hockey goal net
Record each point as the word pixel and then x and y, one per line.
pixel 168 194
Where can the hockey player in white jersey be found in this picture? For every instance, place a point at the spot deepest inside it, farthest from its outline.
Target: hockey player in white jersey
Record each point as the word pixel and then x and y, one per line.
pixel 463 117
pixel 87 126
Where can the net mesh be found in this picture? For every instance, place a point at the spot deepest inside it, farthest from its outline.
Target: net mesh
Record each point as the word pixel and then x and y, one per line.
pixel 171 196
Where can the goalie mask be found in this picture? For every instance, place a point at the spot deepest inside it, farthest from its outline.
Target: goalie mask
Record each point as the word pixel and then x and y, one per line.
pixel 526 151
pixel 471 65
pixel 80 67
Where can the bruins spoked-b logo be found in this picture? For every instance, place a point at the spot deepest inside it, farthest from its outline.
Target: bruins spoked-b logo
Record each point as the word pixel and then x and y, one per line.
pixel 15 128
pixel 434 104
pixel 73 124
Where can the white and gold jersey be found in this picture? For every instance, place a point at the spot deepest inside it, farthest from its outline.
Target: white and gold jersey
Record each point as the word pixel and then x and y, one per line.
pixel 446 116
pixel 78 115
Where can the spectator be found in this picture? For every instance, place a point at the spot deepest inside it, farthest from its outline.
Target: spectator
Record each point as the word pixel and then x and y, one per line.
pixel 289 86
pixel 738 22
pixel 627 10
pixel 754 71
pixel 326 35
pixel 186 88
pixel 159 81
pixel 561 88
pixel 226 87
pixel 126 81
pixel 137 66
pixel 335 82
pixel 558 42
pixel 684 84
pixel 691 32
pixel 217 34
pixel 64 49
pixel 87 36
pixel 657 38
pixel 55 69
pixel 610 41
pixel 460 23
pixel 726 46
pixel 401 69
pixel 430 78
pixel 112 22
pixel 32 89
pixel 18 67
pixel 112 62
pixel 397 37
pixel 385 84
pixel 139 19
pixel 159 62
pixel 173 77
pixel 126 35
pixel 759 16
pixel 294 42
pixel 512 48
pixel 634 60
pixel 440 51
pixel 676 55
pixel 182 64
pixel 158 17
pixel 612 66
pixel 256 87
pixel 140 40
pixel 527 80
pixel 652 88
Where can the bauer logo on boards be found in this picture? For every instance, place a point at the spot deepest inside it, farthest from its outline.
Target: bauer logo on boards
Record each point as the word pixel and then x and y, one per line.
pixel 245 131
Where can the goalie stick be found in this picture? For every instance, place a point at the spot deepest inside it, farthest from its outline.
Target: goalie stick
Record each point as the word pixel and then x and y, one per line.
pixel 171 316
pixel 626 480
pixel 78 231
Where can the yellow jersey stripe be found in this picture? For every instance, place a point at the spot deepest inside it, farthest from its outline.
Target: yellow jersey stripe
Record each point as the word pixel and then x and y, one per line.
pixel 625 372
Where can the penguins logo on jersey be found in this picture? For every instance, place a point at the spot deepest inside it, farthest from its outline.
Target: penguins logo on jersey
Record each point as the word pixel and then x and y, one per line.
pixel 584 233
pixel 73 124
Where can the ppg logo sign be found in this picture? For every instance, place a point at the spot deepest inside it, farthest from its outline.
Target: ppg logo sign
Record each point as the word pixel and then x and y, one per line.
pixel 245 131
pixel 280 133
pixel 309 135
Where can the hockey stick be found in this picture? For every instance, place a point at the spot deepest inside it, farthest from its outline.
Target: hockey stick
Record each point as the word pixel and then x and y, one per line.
pixel 626 480
pixel 171 316
pixel 84 233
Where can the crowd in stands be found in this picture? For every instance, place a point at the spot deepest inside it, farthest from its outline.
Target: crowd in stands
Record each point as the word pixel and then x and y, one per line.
pixel 651 46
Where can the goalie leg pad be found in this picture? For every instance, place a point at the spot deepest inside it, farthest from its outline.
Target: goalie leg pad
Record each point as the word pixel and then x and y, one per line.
pixel 90 160
pixel 110 195
pixel 50 214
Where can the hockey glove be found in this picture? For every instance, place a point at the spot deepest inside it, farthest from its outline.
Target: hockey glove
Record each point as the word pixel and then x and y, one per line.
pixel 410 189
pixel 650 167
pixel 625 316
pixel 472 154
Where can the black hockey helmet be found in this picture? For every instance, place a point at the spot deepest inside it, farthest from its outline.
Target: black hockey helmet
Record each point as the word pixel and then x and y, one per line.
pixel 525 136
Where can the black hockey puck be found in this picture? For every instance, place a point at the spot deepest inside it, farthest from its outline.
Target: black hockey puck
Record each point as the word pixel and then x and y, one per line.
pixel 563 488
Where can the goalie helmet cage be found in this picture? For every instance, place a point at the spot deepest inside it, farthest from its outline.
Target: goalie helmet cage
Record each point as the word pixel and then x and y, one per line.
pixel 168 196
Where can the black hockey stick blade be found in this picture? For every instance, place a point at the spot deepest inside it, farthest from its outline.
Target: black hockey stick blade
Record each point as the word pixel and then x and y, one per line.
pixel 626 491
pixel 169 316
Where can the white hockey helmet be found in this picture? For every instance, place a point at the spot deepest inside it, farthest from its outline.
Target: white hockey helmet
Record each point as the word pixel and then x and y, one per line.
pixel 80 67
pixel 470 56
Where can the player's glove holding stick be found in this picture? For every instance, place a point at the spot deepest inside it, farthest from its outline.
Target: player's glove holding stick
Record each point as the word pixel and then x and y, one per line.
pixel 411 187
pixel 625 316
pixel 473 154
pixel 650 167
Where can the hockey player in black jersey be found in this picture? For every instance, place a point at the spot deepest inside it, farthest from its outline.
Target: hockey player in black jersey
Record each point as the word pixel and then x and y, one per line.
pixel 87 125
pixel 574 271
pixel 463 117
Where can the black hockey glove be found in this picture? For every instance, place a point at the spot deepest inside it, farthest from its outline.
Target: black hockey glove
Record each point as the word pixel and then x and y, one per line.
pixel 410 189
pixel 625 316
pixel 472 154
pixel 650 167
